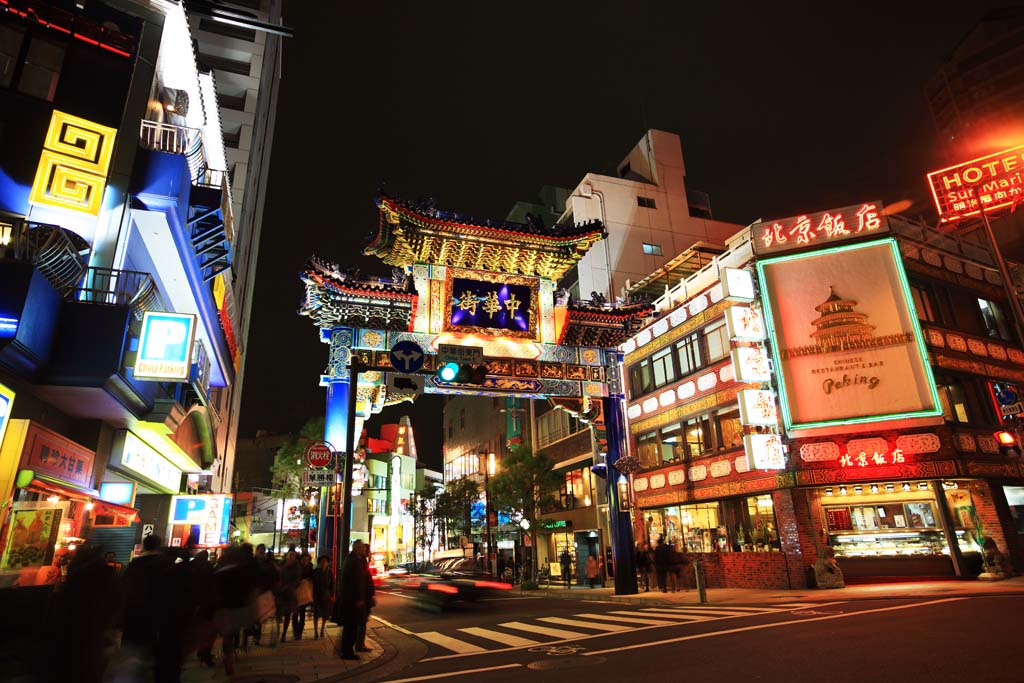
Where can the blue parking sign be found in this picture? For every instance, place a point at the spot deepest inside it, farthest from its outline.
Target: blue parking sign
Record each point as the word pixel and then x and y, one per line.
pixel 165 346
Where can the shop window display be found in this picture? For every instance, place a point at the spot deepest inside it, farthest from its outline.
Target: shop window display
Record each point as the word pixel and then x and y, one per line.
pixel 736 525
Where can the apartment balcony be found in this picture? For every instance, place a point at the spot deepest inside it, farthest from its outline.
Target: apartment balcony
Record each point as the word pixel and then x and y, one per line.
pixel 89 374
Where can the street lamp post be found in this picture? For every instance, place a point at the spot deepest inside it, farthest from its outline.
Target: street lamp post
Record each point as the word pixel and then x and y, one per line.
pixel 488 466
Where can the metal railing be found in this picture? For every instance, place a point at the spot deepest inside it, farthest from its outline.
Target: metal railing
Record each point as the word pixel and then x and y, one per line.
pixel 165 137
pixel 47 247
pixel 113 287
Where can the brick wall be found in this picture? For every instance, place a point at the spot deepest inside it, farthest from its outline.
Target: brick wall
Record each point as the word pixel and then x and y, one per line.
pixel 749 570
pixel 990 504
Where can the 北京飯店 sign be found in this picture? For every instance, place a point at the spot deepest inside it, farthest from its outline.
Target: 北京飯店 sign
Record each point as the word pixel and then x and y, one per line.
pixel 823 228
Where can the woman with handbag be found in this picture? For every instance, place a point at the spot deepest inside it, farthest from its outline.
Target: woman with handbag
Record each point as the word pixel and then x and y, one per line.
pixel 303 595
pixel 285 594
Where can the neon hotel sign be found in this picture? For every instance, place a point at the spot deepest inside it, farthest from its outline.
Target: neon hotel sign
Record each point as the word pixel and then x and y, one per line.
pixel 996 180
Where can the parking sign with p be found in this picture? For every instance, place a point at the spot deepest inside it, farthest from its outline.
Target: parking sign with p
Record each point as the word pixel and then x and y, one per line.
pixel 165 346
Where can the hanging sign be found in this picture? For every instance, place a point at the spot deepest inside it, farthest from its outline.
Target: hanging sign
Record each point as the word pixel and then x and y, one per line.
pixel 757 408
pixel 764 451
pixel 744 323
pixel 165 346
pixel 750 364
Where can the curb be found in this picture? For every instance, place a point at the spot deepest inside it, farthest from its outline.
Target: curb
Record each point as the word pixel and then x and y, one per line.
pixel 388 654
pixel 826 595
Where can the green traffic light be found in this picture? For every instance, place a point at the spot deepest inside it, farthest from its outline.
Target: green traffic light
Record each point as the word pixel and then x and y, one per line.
pixel 448 372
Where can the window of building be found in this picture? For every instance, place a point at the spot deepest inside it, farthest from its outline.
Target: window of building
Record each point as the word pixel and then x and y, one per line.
pixel 663 367
pixel 377 506
pixel 716 340
pixel 641 378
pixel 672 446
pixel 653 249
pixel 954 401
pixel 646 202
pixel 728 429
pixel 924 302
pixel 994 319
pixel 688 355
pixel 224 64
pixel 11 39
pixel 231 101
pixel 556 425
pixel 648 450
pixel 40 66
pixel 232 137
pixel 697 435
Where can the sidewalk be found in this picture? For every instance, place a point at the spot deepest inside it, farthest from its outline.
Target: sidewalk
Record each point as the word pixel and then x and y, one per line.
pixel 752 596
pixel 293 661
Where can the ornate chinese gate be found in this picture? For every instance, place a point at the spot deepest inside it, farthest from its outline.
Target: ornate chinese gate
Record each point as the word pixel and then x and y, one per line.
pixel 489 284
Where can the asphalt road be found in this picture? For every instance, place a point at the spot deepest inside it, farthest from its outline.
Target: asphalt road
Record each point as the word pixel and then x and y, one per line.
pixel 536 639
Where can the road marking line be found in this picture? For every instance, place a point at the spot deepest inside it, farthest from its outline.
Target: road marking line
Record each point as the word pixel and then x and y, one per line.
pixel 585 624
pixel 543 630
pixel 674 614
pixel 714 608
pixel 758 627
pixel 390 625
pixel 705 613
pixel 797 604
pixel 453 673
pixel 449 643
pixel 608 617
pixel 499 637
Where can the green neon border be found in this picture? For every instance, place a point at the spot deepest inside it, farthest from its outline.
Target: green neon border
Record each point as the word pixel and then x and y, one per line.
pixel 765 305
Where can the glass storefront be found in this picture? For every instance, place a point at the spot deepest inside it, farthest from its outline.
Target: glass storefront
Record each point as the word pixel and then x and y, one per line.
pixel 890 519
pixel 732 525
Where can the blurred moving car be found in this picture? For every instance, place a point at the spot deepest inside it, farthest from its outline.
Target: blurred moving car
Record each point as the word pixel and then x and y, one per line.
pixel 446 582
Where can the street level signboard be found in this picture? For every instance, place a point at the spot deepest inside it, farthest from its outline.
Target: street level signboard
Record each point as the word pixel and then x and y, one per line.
pixel 993 182
pixel 455 353
pixel 318 477
pixel 406 356
pixel 319 454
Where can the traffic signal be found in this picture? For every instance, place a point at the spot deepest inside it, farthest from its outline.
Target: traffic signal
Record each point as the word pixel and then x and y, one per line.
pixel 1007 443
pixel 462 373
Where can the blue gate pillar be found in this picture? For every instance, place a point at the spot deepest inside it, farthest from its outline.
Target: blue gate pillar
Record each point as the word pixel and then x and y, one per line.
pixel 621 527
pixel 336 426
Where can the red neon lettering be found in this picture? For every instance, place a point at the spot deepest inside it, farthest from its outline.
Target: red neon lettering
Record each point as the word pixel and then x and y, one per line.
pixel 773 234
pixel 845 461
pixel 867 217
pixel 950 180
pixel 878 458
pixel 833 226
pixel 897 455
pixel 803 231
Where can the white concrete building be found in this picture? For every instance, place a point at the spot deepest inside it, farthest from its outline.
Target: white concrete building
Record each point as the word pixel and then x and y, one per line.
pixel 649 216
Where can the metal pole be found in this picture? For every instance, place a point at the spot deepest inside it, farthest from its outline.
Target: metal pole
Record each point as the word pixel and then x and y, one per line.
pixel 698 571
pixel 948 528
pixel 487 514
pixel 1015 307
pixel 355 366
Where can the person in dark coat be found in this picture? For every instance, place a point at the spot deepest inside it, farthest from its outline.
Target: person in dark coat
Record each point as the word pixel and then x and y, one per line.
pixel 371 602
pixel 235 582
pixel 204 593
pixel 291 573
pixel 323 594
pixel 352 596
pixel 565 560
pixel 299 615
pixel 662 562
pixel 79 631
pixel 643 565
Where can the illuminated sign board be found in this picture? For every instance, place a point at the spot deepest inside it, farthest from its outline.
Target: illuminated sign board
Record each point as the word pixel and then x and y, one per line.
pixel 47 452
pixel 819 229
pixel 765 451
pixel 165 346
pixel 289 514
pixel 6 403
pixel 211 513
pixel 135 457
pixel 744 323
pixel 758 408
pixel 72 171
pixel 737 285
pixel 750 364
pixel 119 492
pixel 847 347
pixel 492 304
pixel 994 181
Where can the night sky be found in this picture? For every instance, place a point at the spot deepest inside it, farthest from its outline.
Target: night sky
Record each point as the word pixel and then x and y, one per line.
pixel 780 110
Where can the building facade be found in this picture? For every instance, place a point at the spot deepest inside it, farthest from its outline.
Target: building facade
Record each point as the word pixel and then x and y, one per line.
pixel 737 392
pixel 119 348
pixel 648 214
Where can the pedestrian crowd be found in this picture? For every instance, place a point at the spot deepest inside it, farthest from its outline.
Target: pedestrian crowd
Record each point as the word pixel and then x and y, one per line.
pixel 141 622
pixel 665 563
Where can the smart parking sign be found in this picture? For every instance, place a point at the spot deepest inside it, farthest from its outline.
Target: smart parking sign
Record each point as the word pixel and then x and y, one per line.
pixel 165 346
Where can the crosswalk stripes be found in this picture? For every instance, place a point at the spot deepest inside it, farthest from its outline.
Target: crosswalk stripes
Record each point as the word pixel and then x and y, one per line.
pixel 499 637
pixel 579 623
pixel 543 630
pixel 588 625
